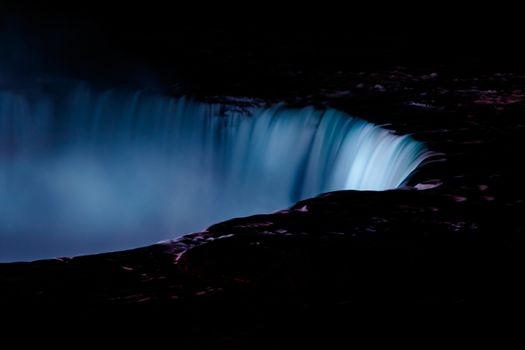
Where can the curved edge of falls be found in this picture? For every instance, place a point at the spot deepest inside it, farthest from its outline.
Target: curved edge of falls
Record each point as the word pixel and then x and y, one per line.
pixel 83 171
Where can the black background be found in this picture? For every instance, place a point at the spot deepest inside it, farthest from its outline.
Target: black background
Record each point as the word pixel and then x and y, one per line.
pixel 166 42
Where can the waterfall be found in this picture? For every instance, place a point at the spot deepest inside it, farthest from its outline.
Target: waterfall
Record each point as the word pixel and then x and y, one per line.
pixel 83 171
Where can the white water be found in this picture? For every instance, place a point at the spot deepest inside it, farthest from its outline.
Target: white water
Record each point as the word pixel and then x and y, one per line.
pixel 84 172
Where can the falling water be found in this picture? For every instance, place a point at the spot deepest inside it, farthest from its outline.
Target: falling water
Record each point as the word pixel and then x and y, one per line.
pixel 83 171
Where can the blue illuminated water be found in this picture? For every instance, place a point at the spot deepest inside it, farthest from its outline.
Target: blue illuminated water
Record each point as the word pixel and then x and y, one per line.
pixel 83 171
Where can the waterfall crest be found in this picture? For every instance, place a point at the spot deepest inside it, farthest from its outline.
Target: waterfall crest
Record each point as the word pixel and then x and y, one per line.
pixel 83 171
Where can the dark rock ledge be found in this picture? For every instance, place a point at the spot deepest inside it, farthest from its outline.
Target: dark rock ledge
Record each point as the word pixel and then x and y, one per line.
pixel 454 235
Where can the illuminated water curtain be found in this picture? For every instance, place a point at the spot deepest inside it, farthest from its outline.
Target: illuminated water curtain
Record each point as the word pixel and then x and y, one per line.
pixel 83 171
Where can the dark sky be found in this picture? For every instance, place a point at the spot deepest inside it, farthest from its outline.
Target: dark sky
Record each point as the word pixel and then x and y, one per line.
pixel 100 39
